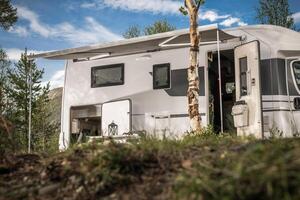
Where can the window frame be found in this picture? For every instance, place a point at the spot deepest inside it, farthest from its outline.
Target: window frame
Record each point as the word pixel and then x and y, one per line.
pixel 163 65
pixel 244 74
pixel 293 75
pixel 119 65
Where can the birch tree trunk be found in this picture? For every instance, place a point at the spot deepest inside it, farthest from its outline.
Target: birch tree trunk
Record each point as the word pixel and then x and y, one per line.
pixel 193 80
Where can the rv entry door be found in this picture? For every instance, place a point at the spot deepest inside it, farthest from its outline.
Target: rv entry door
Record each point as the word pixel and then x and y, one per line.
pixel 116 118
pixel 247 109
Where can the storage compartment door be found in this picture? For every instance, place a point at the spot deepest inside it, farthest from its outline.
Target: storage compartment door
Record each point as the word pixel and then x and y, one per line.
pixel 247 81
pixel 116 118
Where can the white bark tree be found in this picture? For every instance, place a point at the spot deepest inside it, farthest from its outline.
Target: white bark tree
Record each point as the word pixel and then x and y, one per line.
pixel 191 7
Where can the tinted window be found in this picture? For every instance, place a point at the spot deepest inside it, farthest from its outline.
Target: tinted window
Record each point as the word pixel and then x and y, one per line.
pixel 161 76
pixel 243 76
pixel 108 75
pixel 296 69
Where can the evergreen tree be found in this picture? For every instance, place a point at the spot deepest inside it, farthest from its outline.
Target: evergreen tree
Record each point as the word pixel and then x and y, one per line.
pixel 8 14
pixel 159 26
pixel 132 32
pixel 276 12
pixel 6 139
pixel 4 67
pixel 19 93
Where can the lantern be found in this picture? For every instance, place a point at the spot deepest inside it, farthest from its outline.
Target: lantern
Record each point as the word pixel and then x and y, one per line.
pixel 112 129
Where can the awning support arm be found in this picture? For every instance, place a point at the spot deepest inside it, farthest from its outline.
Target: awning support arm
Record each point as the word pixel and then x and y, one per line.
pixel 164 43
pixel 220 81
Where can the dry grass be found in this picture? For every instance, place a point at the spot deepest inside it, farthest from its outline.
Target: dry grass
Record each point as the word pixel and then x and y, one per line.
pixel 197 167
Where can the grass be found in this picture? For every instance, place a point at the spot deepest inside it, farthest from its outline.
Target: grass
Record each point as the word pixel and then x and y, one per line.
pixel 201 166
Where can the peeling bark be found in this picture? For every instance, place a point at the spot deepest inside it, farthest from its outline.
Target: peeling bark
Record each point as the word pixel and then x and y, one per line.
pixel 193 80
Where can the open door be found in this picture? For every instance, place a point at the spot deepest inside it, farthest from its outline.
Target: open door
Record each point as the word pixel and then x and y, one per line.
pixel 247 109
pixel 116 118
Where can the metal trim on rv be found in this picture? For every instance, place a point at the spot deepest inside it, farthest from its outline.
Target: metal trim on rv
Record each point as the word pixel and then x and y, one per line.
pixel 119 47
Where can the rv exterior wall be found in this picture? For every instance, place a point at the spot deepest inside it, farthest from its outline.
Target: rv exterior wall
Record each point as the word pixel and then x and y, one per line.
pixel 138 86
pixel 278 108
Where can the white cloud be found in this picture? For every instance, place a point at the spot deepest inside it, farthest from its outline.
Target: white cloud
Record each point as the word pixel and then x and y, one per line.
pixel 88 5
pixel 161 7
pixel 19 30
pixel 57 79
pixel 296 17
pixel 92 31
pixel 15 54
pixel 240 23
pixel 154 6
pixel 231 21
pixel 211 16
pixel 33 18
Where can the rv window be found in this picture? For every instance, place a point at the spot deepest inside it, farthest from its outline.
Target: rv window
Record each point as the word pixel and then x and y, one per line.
pixel 161 76
pixel 296 69
pixel 108 75
pixel 243 76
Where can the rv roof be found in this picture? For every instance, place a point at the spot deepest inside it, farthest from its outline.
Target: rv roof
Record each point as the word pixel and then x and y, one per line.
pixel 150 43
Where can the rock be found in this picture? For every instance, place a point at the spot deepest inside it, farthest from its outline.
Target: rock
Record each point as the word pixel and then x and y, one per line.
pixel 48 189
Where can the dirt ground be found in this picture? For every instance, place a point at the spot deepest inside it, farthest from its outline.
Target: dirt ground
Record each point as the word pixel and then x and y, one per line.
pixel 193 169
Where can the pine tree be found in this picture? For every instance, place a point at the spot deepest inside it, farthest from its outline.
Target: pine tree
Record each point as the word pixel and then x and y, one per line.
pixel 20 96
pixel 8 14
pixel 6 139
pixel 4 67
pixel 276 12
pixel 159 26
pixel 132 32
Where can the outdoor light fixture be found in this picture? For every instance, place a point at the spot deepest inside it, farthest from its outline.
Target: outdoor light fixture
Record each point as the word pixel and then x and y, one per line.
pixel 144 57
pixel 99 56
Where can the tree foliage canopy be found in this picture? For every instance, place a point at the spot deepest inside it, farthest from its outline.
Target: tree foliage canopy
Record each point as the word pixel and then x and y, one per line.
pixel 132 32
pixel 275 12
pixel 159 26
pixel 17 93
pixel 4 67
pixel 8 14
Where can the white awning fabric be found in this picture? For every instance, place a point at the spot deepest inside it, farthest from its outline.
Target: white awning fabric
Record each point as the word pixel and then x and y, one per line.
pixel 161 41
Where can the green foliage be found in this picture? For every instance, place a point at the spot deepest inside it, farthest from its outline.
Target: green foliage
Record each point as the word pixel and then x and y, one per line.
pixel 196 3
pixel 8 14
pixel 200 166
pixel 4 67
pixel 132 32
pixel 257 170
pixel 275 12
pixel 159 26
pixel 17 94
pixel 183 10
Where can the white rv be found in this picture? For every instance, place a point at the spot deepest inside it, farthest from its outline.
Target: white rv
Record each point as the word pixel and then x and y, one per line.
pixel 249 73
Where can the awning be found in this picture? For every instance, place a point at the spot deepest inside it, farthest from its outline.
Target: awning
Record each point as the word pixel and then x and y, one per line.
pixel 161 41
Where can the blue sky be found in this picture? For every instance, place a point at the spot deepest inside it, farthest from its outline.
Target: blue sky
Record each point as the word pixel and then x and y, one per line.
pixel 52 25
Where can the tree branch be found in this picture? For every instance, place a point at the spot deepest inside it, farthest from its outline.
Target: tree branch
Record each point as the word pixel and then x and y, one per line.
pixel 198 5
